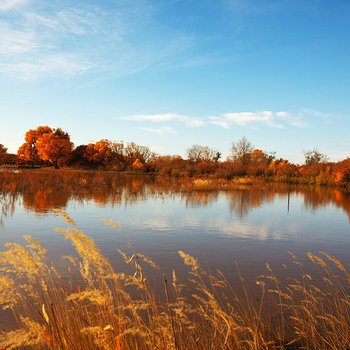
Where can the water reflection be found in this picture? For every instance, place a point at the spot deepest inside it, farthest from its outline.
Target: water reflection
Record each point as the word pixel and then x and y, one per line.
pixel 244 200
pixel 8 204
pixel 159 216
pixel 194 199
pixel 42 191
pixel 244 229
pixel 321 197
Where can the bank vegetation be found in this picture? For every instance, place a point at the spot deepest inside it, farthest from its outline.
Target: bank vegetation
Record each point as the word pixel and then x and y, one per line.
pixel 49 147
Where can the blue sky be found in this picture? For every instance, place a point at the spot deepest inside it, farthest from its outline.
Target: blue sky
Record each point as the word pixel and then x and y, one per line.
pixel 169 74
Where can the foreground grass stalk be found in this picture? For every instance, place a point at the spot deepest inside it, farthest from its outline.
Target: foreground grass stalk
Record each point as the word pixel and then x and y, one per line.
pixel 170 311
pixel 116 310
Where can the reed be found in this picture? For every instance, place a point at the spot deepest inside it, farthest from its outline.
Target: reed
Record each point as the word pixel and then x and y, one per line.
pixel 107 309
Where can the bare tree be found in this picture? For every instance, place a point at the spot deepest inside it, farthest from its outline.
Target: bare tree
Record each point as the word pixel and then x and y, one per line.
pixel 314 157
pixel 241 151
pixel 132 151
pixel 197 153
pixel 3 149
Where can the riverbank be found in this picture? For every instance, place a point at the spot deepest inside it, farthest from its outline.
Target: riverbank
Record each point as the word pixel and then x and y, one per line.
pixel 199 182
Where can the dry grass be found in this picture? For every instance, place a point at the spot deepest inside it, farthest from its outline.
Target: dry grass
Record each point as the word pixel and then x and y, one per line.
pixel 111 310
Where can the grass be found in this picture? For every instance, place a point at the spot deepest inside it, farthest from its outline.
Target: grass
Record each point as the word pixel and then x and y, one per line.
pixel 107 309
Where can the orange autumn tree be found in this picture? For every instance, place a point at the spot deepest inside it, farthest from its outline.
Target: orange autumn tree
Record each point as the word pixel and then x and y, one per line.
pixel 55 147
pixel 45 144
pixel 105 154
pixel 100 153
pixel 28 151
pixel 259 162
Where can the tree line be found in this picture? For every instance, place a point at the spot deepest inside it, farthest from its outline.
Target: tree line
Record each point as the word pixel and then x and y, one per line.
pixel 46 146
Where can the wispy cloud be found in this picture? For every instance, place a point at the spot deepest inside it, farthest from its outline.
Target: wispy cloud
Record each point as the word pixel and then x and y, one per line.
pixel 6 5
pixel 51 65
pixel 34 45
pixel 245 119
pixel 161 130
pixel 119 39
pixel 153 117
pixel 15 42
pixel 248 118
pixel 166 117
pixel 325 117
pixel 270 119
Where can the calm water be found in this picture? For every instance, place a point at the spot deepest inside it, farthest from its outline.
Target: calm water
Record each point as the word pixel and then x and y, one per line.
pixel 249 225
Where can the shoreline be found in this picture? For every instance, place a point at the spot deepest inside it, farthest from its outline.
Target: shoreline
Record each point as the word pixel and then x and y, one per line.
pixel 199 182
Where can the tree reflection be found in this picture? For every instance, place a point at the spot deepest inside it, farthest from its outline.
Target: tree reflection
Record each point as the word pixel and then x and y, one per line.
pixel 322 197
pixel 242 201
pixel 195 199
pixel 8 203
pixel 41 191
pixel 42 201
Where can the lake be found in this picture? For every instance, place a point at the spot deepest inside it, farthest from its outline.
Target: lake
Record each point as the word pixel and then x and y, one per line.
pixel 245 226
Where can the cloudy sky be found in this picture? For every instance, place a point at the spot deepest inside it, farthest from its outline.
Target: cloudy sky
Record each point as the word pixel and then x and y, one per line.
pixel 172 73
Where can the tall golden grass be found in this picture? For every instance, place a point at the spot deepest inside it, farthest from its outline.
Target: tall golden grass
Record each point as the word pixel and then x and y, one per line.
pixel 114 310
